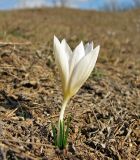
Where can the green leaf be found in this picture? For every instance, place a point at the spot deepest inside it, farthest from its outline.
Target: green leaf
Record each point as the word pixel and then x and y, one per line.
pixel 61 140
pixel 61 135
pixel 67 131
pixel 54 130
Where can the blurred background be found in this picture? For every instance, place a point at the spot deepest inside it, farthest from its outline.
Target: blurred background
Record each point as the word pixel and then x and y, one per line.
pixel 109 5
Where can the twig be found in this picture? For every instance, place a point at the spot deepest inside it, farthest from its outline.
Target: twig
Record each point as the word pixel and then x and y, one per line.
pixel 23 155
pixel 98 122
pixel 16 141
pixel 7 67
pixel 3 44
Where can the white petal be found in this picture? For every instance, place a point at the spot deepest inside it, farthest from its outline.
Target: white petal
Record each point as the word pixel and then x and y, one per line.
pixel 67 49
pixel 78 54
pixel 62 62
pixel 82 70
pixel 88 47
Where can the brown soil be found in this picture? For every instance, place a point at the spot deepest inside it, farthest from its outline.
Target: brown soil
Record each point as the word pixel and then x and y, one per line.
pixel 105 112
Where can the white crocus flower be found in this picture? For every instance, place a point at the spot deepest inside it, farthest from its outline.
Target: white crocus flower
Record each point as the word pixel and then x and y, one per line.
pixel 74 67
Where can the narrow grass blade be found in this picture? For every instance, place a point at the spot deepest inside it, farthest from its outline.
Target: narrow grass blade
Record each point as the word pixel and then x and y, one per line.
pixel 67 131
pixel 61 135
pixel 54 130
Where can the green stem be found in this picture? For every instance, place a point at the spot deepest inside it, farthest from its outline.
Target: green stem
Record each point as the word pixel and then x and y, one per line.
pixel 61 117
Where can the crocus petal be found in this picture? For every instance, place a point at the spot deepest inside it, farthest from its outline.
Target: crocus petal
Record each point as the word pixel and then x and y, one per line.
pixel 82 71
pixel 62 63
pixel 78 54
pixel 88 47
pixel 67 49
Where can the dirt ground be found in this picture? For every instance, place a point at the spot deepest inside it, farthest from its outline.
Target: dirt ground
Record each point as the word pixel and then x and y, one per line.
pixel 106 110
